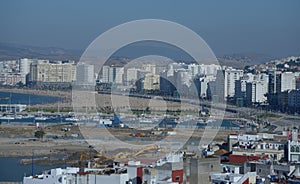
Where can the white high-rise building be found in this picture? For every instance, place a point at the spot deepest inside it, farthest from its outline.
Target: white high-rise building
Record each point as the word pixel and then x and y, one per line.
pixel 258 88
pixel 151 68
pixel 204 82
pixel 195 69
pixel 113 74
pixel 105 74
pixel 24 67
pixel 209 69
pixel 85 74
pixel 132 75
pixel 288 81
pixel 175 66
pixel 231 75
pixel 182 78
pixel 116 74
pixel 260 91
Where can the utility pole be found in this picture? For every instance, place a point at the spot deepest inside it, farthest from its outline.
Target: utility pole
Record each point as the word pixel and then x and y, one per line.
pixel 32 163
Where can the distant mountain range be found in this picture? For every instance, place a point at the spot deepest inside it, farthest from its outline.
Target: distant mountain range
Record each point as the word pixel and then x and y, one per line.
pixel 10 51
pixel 244 59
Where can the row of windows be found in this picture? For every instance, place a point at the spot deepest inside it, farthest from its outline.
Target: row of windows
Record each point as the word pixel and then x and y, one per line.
pixel 295 149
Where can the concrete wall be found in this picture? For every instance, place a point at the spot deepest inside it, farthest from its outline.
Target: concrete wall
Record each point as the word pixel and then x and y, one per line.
pixel 202 168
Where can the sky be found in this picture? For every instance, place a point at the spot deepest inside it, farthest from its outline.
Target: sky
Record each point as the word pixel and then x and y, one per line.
pixel 270 27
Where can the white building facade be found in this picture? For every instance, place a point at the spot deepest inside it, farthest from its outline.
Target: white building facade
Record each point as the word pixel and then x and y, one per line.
pixel 231 75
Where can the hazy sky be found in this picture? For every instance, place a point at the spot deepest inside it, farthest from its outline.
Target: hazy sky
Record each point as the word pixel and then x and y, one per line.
pixel 270 27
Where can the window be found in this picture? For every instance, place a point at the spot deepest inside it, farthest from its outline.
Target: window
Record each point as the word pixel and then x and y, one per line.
pixel 292 149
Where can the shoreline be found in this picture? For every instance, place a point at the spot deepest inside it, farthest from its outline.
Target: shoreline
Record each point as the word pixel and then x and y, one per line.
pixel 61 94
pixel 65 96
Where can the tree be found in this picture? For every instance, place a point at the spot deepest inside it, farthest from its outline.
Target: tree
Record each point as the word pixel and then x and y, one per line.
pixel 39 134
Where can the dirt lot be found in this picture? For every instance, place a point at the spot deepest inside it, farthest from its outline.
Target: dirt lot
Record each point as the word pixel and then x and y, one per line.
pixel 18 140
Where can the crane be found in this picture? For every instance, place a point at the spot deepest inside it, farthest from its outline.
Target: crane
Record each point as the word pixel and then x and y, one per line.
pixel 101 158
pixel 81 165
pixel 84 155
pixel 152 147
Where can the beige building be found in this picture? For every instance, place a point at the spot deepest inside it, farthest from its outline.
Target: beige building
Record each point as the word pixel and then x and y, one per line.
pixel 45 71
pixel 150 68
pixel 201 168
pixel 132 75
pixel 151 82
pixel 10 79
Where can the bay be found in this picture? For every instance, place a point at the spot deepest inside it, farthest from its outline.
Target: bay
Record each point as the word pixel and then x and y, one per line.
pixel 20 98
pixel 12 171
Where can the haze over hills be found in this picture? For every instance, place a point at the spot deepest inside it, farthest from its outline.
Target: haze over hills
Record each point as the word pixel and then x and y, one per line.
pixel 9 51
pixel 243 59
